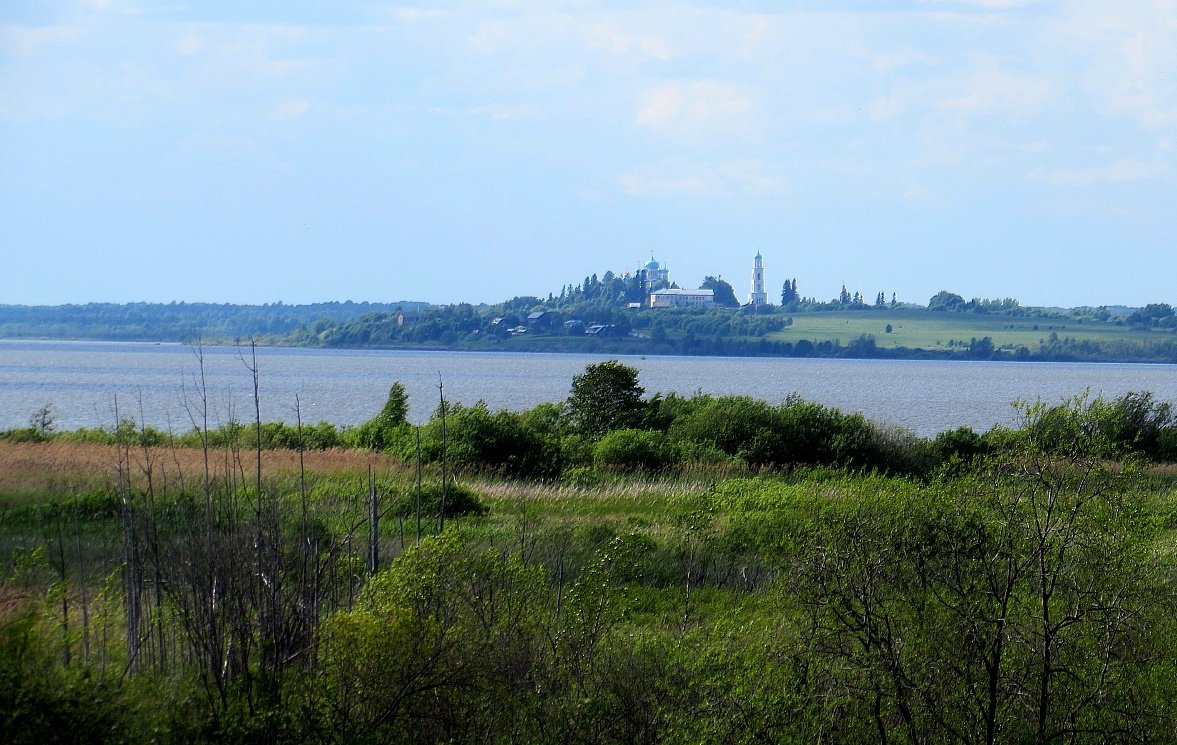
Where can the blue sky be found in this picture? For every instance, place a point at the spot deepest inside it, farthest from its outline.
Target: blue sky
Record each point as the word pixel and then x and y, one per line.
pixel 474 151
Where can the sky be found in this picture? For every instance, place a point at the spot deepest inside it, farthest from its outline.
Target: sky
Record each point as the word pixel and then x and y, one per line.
pixel 476 150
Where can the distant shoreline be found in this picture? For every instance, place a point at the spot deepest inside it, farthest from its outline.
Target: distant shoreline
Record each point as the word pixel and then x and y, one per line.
pixel 810 330
pixel 622 348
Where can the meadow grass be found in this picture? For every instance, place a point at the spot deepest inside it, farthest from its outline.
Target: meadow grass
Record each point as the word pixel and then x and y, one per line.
pixel 620 496
pixel 923 330
pixel 705 588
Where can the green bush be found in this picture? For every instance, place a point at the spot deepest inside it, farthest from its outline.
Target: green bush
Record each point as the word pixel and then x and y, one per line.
pixel 633 450
pixel 459 500
pixel 128 432
pixel 389 430
pixel 478 440
pixel 961 445
pixel 24 434
pixel 43 703
pixel 582 477
pixel 730 424
pixel 283 436
pixel 444 643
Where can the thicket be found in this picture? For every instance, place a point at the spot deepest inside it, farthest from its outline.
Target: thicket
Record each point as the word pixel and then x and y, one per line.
pixel 709 569
pixel 607 423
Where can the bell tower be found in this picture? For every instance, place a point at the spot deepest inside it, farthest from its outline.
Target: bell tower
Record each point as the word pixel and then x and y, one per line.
pixel 758 296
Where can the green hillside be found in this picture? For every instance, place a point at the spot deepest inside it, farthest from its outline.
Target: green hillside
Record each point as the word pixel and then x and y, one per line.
pixel 921 329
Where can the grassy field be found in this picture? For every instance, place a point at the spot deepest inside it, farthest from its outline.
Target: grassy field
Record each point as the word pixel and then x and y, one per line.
pixel 687 606
pixel 923 330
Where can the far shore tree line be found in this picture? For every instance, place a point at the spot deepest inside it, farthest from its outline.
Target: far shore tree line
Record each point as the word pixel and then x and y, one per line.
pixel 608 315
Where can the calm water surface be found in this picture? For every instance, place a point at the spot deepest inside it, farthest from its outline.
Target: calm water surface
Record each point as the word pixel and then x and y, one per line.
pixel 157 383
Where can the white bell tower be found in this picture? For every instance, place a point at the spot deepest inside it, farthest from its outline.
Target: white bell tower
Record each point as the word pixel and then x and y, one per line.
pixel 758 296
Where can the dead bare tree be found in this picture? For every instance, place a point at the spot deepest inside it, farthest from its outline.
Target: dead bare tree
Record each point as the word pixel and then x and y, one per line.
pixel 441 408
pixel 418 504
pixel 374 525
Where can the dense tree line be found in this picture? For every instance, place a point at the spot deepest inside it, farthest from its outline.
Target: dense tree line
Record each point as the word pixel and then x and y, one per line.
pixel 691 332
pixel 1154 315
pixel 174 322
pixel 607 423
pixel 598 314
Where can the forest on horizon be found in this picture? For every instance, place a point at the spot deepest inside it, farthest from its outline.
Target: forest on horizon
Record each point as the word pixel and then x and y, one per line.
pixel 601 315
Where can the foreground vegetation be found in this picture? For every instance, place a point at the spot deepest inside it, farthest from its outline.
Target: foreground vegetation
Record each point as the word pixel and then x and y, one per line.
pixel 614 569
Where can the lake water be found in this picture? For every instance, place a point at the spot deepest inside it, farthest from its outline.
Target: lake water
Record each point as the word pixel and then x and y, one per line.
pixel 156 383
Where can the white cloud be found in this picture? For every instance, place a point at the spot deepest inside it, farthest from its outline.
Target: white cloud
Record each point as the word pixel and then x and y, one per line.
pixel 990 89
pixel 918 194
pixel 1121 171
pixel 989 4
pixel 610 38
pixel 698 111
pixel 190 43
pixel 901 59
pixel 27 41
pixel 886 107
pixel 1127 51
pixel 752 177
pixel 293 108
pixel 647 184
pixel 679 177
pixel 506 112
pixel 415 15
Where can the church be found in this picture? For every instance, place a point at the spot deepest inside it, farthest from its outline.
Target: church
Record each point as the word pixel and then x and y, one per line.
pixel 653 276
pixel 655 285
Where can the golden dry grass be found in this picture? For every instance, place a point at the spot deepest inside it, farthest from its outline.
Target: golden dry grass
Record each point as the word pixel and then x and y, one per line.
pixel 30 468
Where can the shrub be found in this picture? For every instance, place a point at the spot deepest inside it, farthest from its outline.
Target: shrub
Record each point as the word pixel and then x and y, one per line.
pixel 443 643
pixel 1139 422
pixel 41 703
pixel 581 477
pixel 477 440
pixel 459 500
pixel 389 428
pixel 732 425
pixel 961 445
pixel 633 450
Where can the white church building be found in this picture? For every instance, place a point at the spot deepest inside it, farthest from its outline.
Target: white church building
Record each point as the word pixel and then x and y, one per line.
pixel 676 298
pixel 655 279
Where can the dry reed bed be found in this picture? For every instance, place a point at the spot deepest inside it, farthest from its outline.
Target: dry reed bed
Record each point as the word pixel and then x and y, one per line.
pixel 29 468
pixel 659 488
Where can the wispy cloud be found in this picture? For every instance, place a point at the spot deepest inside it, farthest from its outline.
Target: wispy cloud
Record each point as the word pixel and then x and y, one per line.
pixel 1127 52
pixel 681 177
pixel 28 41
pixel 610 38
pixel 696 111
pixel 293 108
pixel 1123 170
pixel 409 14
pixel 988 4
pixel 992 89
pixel 823 109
